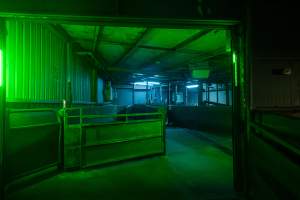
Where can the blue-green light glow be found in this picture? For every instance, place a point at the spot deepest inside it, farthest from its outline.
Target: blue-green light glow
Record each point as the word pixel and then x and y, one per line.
pixel 192 86
pixel 234 60
pixel 150 83
pixel 200 73
pixel 1 68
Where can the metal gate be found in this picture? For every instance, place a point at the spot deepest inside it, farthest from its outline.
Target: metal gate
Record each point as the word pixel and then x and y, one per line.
pixel 91 140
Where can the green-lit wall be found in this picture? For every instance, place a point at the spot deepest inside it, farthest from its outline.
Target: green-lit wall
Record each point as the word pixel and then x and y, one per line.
pixel 40 62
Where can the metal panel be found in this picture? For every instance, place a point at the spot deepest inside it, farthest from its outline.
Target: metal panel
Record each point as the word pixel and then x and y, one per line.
pixel 177 58
pixel 112 52
pixel 38 68
pixel 271 90
pixel 211 42
pixel 215 119
pixel 168 38
pixel 80 77
pixel 124 96
pixel 122 151
pixel 140 56
pixel 92 141
pixel 35 63
pixel 31 142
pixel 81 32
pixel 126 35
pixel 296 84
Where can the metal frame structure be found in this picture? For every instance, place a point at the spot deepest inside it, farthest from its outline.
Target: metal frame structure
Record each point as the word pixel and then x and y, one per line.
pixel 81 127
pixel 239 93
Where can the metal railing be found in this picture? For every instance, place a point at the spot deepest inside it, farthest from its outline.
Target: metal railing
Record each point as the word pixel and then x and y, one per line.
pixel 268 135
pixel 127 117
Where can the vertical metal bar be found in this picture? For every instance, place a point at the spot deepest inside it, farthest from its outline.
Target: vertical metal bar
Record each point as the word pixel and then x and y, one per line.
pixel 161 94
pixel 217 92
pixel 2 107
pixel 200 93
pixel 169 93
pixel 147 93
pixel 227 93
pixel 176 88
pixel 132 93
pixel 186 95
pixel 207 93
pixel 80 139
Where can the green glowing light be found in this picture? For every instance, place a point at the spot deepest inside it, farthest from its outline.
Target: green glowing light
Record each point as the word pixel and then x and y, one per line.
pixel 234 60
pixel 200 73
pixel 1 68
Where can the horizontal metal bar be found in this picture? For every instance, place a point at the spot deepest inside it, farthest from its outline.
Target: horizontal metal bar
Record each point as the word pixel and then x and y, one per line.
pixel 123 141
pixel 72 126
pixel 267 134
pixel 115 115
pixel 72 147
pixel 31 110
pixel 76 116
pixel 120 115
pixel 125 21
pixel 35 125
pixel 26 176
pixel 119 122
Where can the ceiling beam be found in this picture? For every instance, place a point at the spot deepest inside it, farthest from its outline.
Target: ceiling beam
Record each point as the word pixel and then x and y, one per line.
pixel 62 32
pixel 96 43
pixel 59 30
pixel 177 47
pixel 142 46
pixel 131 50
pixel 98 38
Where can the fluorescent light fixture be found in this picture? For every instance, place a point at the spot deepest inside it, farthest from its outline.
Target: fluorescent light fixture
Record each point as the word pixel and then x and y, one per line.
pixel 192 86
pixel 151 83
pixel 1 67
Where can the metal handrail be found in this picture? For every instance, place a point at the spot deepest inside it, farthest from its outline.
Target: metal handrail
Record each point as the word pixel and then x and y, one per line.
pixel 82 116
pixel 30 110
pixel 116 115
pixel 268 135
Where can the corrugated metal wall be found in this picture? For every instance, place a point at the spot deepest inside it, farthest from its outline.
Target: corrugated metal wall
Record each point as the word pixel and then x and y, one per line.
pixel 271 90
pixel 37 65
pixel 81 79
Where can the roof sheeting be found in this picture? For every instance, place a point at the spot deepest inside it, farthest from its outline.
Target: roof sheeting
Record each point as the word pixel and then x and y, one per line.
pixel 161 48
pixel 168 38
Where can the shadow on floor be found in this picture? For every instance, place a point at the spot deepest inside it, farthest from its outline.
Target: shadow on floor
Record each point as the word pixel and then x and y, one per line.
pixel 193 168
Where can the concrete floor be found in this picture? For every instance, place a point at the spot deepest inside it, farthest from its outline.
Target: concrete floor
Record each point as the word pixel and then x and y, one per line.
pixel 197 166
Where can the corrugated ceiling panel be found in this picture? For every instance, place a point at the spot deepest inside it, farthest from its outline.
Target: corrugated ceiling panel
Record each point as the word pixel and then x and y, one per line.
pixel 176 58
pixel 168 38
pixel 86 44
pixel 210 42
pixel 122 34
pixel 81 31
pixel 35 63
pixel 141 56
pixel 112 53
